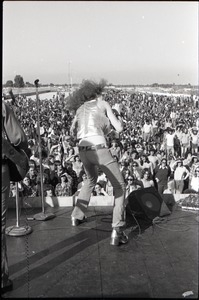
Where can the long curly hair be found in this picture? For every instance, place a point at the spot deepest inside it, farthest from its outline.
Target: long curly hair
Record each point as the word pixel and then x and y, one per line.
pixel 88 90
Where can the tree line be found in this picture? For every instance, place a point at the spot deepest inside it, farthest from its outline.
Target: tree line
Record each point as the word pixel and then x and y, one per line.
pixel 18 82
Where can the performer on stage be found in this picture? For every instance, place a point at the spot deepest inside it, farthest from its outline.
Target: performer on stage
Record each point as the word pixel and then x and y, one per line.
pixel 12 133
pixel 91 125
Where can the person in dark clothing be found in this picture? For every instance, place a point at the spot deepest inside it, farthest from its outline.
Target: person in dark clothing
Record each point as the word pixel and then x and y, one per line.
pixel 12 134
pixel 161 174
pixel 69 170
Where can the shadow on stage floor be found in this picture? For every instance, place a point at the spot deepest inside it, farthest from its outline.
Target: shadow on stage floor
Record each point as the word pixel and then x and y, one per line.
pixel 59 261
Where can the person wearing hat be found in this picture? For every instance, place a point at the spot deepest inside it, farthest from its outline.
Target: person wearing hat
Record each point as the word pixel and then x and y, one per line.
pixel 91 125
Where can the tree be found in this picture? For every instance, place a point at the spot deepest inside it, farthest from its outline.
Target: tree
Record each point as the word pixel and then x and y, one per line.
pixel 18 81
pixel 28 84
pixel 154 85
pixel 9 83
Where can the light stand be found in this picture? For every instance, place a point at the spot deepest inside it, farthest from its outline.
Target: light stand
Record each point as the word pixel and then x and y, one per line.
pixel 43 216
pixel 18 230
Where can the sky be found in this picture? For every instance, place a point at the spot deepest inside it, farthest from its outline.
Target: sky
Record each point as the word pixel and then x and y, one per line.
pixel 124 42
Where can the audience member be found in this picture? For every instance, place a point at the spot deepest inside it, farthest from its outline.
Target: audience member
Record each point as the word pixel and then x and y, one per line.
pixel 161 174
pixel 181 173
pixel 98 190
pixel 77 165
pixel 194 183
pixel 28 189
pixel 109 188
pixel 64 188
pixel 132 185
pixel 146 179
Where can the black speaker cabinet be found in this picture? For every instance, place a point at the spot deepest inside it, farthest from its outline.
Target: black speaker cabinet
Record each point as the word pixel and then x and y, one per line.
pixel 147 201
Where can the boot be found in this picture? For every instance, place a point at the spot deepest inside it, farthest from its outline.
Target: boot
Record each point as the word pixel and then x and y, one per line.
pixel 76 222
pixel 8 287
pixel 118 237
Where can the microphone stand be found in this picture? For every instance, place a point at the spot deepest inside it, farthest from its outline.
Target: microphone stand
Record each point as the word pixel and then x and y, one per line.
pixel 18 230
pixel 43 216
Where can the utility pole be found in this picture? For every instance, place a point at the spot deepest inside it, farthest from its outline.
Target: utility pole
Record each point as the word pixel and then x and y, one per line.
pixel 69 76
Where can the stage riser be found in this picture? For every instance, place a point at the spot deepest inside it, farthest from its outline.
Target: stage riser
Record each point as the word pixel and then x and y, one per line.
pixel 70 201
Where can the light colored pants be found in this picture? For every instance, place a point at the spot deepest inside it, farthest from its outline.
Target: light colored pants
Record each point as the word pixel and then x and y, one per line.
pixel 5 187
pixel 179 185
pixel 92 159
pixel 146 136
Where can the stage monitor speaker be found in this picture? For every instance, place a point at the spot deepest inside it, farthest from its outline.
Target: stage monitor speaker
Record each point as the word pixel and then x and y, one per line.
pixel 149 202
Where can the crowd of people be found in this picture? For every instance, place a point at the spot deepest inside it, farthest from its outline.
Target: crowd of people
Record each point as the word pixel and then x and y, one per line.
pixel 157 148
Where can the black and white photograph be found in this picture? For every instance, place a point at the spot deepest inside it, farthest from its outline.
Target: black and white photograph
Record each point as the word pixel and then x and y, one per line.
pixel 100 140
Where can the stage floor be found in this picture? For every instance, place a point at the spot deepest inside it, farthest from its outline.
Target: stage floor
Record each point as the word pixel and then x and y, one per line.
pixel 59 261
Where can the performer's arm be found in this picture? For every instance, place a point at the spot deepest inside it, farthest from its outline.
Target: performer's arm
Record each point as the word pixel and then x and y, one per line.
pixel 73 126
pixel 115 122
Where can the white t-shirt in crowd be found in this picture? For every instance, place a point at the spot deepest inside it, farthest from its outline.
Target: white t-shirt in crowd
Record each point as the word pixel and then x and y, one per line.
pixel 195 184
pixel 170 139
pixel 180 172
pixel 147 128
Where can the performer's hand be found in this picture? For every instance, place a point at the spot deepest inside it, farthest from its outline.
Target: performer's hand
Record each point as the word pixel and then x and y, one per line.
pixel 116 113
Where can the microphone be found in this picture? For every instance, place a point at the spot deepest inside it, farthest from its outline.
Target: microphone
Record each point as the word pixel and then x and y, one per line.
pixel 12 97
pixel 116 113
pixel 36 82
